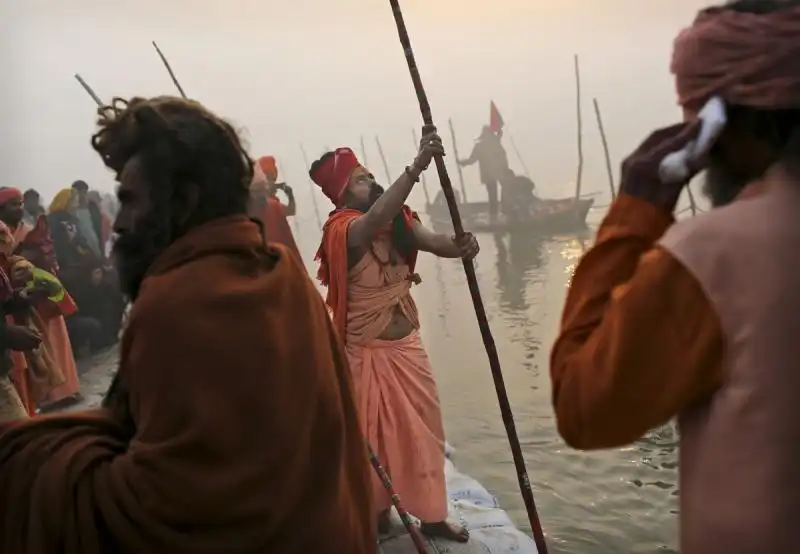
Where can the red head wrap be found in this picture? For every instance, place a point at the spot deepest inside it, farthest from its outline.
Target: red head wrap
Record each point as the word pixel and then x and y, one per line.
pixel 7 194
pixel 748 59
pixel 269 166
pixel 333 174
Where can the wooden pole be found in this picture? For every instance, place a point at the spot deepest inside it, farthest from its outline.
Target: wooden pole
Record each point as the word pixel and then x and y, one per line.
pixel 169 69
pixel 311 186
pixel 692 201
pixel 383 159
pixel 364 159
pixel 89 90
pixel 422 175
pixel 578 179
pixel 605 149
pixel 474 290
pixel 519 156
pixel 458 165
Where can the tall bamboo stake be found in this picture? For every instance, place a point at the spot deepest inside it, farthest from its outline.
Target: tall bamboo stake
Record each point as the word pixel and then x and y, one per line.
pixel 311 186
pixel 519 156
pixel 458 165
pixel 383 159
pixel 169 69
pixel 89 90
pixel 605 149
pixel 579 178
pixel 364 159
pixel 422 175
pixel 475 293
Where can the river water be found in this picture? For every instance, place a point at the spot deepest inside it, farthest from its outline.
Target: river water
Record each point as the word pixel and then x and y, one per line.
pixel 612 501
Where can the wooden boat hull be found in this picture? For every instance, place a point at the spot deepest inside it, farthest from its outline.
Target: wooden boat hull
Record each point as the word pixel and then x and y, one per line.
pixel 550 216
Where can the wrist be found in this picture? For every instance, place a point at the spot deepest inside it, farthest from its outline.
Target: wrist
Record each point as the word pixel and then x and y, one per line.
pixel 413 171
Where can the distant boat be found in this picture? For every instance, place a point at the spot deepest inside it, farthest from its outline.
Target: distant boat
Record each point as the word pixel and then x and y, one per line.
pixel 562 215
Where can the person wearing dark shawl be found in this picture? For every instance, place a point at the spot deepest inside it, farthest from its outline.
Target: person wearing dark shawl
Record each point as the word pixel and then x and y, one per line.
pixel 700 319
pixel 230 426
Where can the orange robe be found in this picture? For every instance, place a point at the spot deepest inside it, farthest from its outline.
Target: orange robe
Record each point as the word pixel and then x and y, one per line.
pixel 640 342
pixel 398 402
pixel 59 346
pixel 272 214
pixel 230 428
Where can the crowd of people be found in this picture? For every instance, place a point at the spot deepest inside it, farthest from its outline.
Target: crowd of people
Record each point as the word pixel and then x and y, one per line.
pixel 61 301
pixel 246 409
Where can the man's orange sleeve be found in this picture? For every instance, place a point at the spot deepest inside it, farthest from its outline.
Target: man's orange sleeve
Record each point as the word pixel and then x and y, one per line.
pixel 639 341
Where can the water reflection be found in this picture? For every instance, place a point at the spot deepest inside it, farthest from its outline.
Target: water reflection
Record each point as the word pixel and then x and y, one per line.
pixel 611 501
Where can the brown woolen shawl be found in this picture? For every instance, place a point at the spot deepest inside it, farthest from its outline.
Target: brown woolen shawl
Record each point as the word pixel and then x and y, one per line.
pixel 232 428
pixel 748 59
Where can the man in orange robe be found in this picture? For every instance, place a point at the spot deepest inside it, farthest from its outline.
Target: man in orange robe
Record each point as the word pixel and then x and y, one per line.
pixel 367 258
pixel 700 319
pixel 230 425
pixel 265 206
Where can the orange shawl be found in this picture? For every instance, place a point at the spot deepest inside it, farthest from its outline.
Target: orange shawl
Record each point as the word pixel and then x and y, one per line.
pixel 237 434
pixel 332 258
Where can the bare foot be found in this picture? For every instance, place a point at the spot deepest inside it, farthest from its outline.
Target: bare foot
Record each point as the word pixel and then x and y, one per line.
pixel 384 522
pixel 446 530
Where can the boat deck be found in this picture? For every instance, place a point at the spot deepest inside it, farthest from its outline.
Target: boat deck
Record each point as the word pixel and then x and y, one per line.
pixel 491 530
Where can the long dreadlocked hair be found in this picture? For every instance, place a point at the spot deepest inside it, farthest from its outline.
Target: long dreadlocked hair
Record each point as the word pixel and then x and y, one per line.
pixel 179 143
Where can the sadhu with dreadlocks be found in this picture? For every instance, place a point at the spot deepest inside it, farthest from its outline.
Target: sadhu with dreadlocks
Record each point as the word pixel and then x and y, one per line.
pixel 701 319
pixel 230 425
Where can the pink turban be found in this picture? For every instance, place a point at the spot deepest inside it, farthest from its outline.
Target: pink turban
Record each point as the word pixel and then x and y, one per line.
pixel 748 59
pixel 8 194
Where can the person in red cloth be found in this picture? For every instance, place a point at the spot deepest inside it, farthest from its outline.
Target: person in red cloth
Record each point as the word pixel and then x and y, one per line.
pixel 265 206
pixel 367 260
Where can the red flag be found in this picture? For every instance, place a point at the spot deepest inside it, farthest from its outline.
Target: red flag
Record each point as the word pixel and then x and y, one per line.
pixel 495 119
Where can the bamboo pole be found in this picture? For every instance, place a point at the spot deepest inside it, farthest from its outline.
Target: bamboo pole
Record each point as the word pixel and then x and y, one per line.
pixel 364 159
pixel 472 282
pixel 311 186
pixel 519 156
pixel 89 90
pixel 458 164
pixel 169 70
pixel 579 178
pixel 422 175
pixel 383 159
pixel 605 149
pixel 692 201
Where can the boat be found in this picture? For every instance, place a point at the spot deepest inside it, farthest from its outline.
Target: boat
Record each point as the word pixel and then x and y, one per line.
pixel 561 215
pixel 491 529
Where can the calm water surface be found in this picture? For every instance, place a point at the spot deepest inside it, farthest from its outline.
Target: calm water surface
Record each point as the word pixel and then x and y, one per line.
pixel 611 501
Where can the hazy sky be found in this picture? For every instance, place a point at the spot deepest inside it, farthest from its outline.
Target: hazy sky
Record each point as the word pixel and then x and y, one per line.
pixel 325 73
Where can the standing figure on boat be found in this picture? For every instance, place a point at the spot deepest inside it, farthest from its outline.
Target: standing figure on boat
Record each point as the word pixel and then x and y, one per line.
pixel 230 425
pixel 492 161
pixel 265 206
pixel 367 258
pixel 700 319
